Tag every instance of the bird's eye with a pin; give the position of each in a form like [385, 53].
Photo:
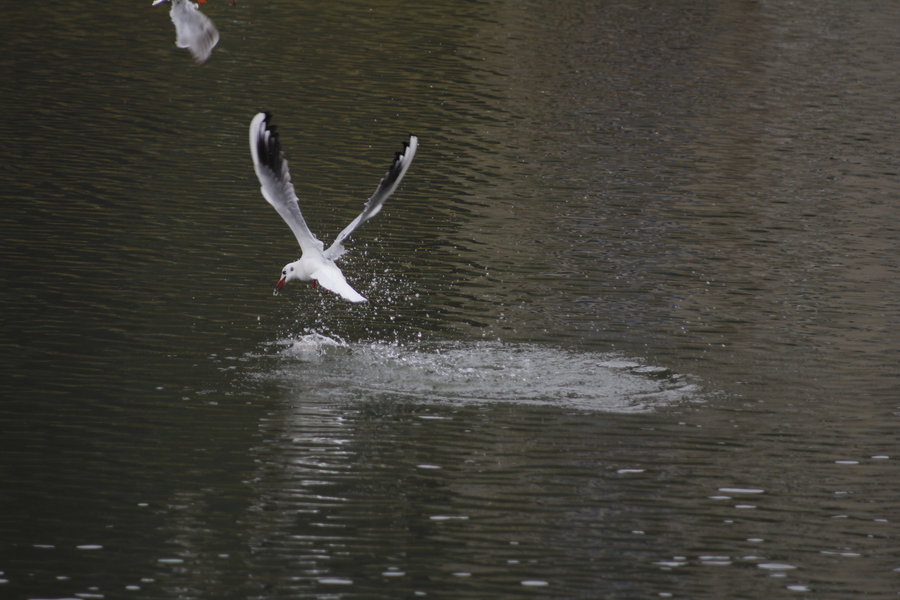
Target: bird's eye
[284, 272]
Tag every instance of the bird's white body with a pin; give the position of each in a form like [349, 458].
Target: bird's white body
[316, 263]
[320, 270]
[193, 30]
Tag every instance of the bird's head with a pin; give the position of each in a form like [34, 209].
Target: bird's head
[288, 274]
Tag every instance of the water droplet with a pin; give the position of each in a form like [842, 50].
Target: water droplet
[335, 581]
[739, 490]
[775, 566]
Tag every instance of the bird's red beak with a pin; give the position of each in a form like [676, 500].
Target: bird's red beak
[279, 285]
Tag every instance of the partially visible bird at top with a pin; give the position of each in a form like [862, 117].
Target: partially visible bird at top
[193, 30]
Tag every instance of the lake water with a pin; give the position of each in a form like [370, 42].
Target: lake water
[633, 319]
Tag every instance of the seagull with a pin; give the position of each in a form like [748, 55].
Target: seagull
[193, 29]
[316, 264]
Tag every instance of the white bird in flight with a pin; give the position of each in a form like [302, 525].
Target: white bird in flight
[316, 263]
[193, 29]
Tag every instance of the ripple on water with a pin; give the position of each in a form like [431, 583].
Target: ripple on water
[475, 372]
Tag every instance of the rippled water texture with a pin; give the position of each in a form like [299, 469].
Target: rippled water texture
[633, 319]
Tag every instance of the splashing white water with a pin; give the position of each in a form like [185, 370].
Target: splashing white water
[475, 372]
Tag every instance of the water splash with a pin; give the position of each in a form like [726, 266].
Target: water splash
[473, 372]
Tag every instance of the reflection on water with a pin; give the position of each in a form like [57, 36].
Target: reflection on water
[633, 317]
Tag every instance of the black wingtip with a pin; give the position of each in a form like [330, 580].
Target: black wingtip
[268, 146]
[398, 156]
[396, 170]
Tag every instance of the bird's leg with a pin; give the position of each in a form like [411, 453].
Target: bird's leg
[315, 283]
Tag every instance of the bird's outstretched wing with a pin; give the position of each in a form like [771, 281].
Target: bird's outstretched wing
[193, 29]
[275, 180]
[388, 184]
[329, 276]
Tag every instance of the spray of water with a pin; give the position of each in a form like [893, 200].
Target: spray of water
[472, 372]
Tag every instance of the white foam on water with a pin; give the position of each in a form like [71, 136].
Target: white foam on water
[476, 372]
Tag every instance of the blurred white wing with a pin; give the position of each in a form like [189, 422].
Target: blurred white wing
[275, 181]
[193, 29]
[385, 188]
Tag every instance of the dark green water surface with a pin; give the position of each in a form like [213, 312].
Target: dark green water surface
[633, 329]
